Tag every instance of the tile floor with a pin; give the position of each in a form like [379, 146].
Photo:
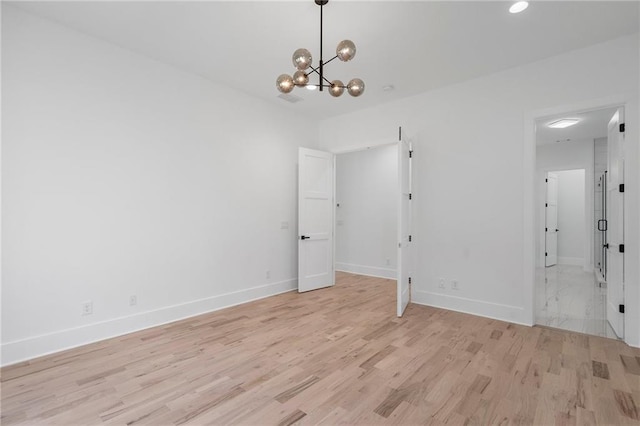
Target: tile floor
[571, 299]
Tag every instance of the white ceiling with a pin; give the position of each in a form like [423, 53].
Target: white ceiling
[592, 125]
[414, 45]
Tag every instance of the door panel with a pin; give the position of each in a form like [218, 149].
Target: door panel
[615, 217]
[551, 221]
[405, 264]
[315, 219]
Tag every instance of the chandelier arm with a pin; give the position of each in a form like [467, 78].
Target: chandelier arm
[330, 60]
[323, 77]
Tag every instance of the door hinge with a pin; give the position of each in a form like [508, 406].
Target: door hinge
[400, 133]
[409, 238]
[546, 180]
[606, 246]
[621, 248]
[546, 229]
[411, 154]
[409, 280]
[410, 196]
[546, 204]
[546, 254]
[621, 187]
[621, 308]
[622, 127]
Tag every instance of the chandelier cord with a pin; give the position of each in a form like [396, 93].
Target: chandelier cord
[321, 64]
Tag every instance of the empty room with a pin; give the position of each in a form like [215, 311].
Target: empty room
[320, 212]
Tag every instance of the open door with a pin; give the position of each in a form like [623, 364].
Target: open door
[615, 221]
[551, 221]
[315, 219]
[405, 264]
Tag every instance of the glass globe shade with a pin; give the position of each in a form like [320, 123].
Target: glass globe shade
[336, 88]
[355, 87]
[284, 83]
[300, 78]
[346, 50]
[301, 59]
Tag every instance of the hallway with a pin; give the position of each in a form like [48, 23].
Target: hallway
[569, 298]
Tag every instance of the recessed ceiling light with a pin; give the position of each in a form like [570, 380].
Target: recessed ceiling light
[519, 6]
[562, 123]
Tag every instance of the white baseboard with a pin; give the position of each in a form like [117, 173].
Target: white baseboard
[32, 347]
[577, 261]
[372, 271]
[508, 313]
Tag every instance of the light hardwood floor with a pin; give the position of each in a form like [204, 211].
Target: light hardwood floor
[332, 356]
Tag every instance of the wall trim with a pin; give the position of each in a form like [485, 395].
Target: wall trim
[46, 344]
[497, 311]
[371, 271]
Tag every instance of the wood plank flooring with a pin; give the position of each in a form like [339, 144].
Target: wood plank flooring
[332, 356]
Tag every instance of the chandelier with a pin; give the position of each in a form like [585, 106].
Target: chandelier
[302, 60]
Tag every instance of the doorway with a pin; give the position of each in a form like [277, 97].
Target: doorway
[573, 153]
[366, 212]
[374, 190]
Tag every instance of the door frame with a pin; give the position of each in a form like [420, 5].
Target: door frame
[632, 207]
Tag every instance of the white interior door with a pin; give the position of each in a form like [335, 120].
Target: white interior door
[315, 219]
[615, 231]
[551, 221]
[405, 264]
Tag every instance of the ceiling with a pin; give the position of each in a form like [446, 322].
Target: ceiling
[413, 45]
[592, 125]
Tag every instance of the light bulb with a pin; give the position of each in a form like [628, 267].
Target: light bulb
[355, 87]
[300, 78]
[337, 88]
[284, 83]
[301, 59]
[346, 50]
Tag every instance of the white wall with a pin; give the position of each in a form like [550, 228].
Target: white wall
[124, 176]
[366, 220]
[571, 217]
[473, 144]
[564, 156]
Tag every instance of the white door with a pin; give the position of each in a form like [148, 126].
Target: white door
[315, 219]
[405, 264]
[551, 221]
[615, 231]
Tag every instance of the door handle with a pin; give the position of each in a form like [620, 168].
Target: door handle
[304, 237]
[606, 246]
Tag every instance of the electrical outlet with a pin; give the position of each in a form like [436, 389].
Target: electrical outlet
[87, 308]
[455, 285]
[133, 300]
[441, 283]
[268, 274]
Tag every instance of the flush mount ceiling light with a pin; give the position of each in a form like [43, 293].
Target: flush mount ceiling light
[562, 123]
[302, 60]
[518, 7]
